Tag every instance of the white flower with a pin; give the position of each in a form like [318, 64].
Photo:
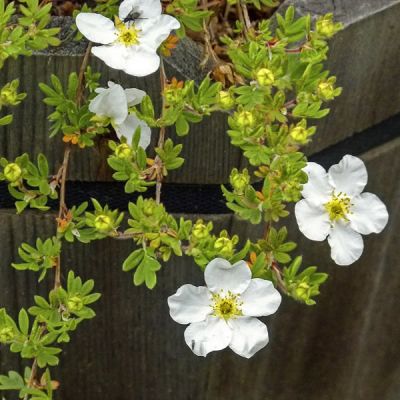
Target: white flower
[114, 103]
[222, 314]
[131, 43]
[335, 207]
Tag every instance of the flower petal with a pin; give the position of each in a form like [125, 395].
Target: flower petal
[317, 189]
[96, 28]
[346, 244]
[210, 335]
[313, 220]
[221, 275]
[190, 304]
[128, 129]
[154, 31]
[134, 96]
[260, 298]
[114, 55]
[140, 61]
[249, 336]
[146, 8]
[349, 176]
[111, 103]
[368, 214]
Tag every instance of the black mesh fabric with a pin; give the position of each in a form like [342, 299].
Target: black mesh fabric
[208, 199]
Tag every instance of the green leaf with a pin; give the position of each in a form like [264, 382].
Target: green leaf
[23, 322]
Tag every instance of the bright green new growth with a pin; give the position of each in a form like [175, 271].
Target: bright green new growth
[283, 87]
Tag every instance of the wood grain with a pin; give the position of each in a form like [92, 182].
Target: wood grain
[365, 58]
[345, 347]
[371, 93]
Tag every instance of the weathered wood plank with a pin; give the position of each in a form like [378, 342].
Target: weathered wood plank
[365, 58]
[371, 93]
[29, 131]
[346, 347]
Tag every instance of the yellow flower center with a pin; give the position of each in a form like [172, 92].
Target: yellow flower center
[128, 34]
[338, 207]
[226, 306]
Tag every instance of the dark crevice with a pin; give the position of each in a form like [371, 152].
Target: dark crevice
[208, 199]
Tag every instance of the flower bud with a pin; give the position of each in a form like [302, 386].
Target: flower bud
[326, 27]
[239, 181]
[226, 99]
[224, 246]
[12, 172]
[200, 230]
[326, 91]
[123, 151]
[8, 96]
[6, 334]
[265, 77]
[299, 134]
[75, 304]
[103, 223]
[302, 291]
[149, 208]
[245, 119]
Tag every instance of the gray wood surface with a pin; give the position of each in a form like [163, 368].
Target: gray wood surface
[365, 57]
[346, 347]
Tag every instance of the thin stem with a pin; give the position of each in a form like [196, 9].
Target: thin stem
[124, 236]
[278, 274]
[239, 10]
[32, 376]
[64, 169]
[161, 138]
[245, 15]
[205, 6]
[81, 79]
[61, 179]
[227, 11]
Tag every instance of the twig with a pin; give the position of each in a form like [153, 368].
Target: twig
[205, 6]
[32, 376]
[278, 274]
[85, 62]
[124, 236]
[245, 15]
[241, 16]
[227, 11]
[64, 167]
[61, 178]
[161, 138]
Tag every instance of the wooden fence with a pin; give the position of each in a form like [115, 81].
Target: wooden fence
[345, 348]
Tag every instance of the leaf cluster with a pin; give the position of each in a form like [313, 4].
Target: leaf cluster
[29, 183]
[70, 117]
[41, 258]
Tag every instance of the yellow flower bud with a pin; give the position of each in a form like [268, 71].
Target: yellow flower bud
[302, 292]
[265, 77]
[299, 134]
[102, 223]
[245, 119]
[8, 96]
[326, 91]
[200, 230]
[239, 181]
[149, 208]
[123, 151]
[75, 304]
[326, 27]
[6, 334]
[12, 172]
[225, 99]
[224, 246]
